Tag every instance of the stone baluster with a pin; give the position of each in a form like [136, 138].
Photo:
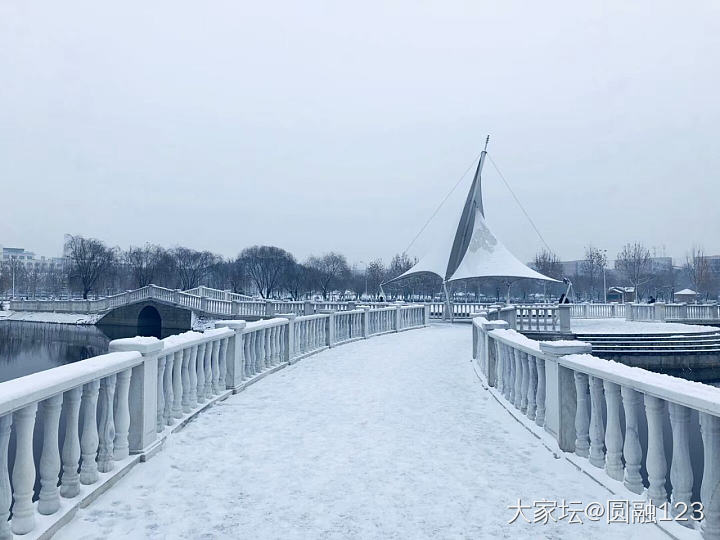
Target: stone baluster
[525, 380]
[208, 369]
[710, 488]
[517, 394]
[613, 432]
[215, 359]
[509, 361]
[70, 486]
[540, 395]
[185, 378]
[277, 332]
[89, 440]
[222, 365]
[681, 473]
[5, 491]
[656, 463]
[267, 348]
[632, 451]
[160, 394]
[597, 427]
[193, 377]
[247, 354]
[200, 364]
[49, 499]
[259, 339]
[582, 416]
[121, 447]
[106, 429]
[270, 345]
[168, 389]
[532, 386]
[177, 385]
[23, 475]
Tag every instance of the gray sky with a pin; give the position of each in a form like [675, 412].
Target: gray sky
[330, 125]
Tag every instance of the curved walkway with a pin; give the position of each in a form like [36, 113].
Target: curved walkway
[393, 437]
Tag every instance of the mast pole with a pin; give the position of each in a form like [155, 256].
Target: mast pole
[448, 305]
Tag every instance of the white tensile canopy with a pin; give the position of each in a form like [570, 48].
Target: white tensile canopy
[475, 252]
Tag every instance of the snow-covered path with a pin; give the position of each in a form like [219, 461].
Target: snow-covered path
[393, 437]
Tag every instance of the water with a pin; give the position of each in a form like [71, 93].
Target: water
[29, 347]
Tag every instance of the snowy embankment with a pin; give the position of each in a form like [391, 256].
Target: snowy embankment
[393, 437]
[50, 317]
[622, 326]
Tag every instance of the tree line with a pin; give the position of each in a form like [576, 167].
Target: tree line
[93, 268]
[634, 267]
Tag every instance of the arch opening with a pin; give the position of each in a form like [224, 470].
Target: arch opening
[149, 322]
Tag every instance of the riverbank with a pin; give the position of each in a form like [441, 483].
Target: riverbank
[50, 317]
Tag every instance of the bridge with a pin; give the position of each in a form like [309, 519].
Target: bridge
[173, 309]
[424, 433]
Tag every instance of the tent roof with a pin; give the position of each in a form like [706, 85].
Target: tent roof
[486, 256]
[686, 292]
[463, 247]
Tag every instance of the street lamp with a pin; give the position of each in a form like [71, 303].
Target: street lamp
[604, 278]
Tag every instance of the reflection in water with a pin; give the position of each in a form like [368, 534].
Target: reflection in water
[28, 347]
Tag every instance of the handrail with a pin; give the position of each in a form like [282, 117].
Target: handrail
[581, 401]
[116, 406]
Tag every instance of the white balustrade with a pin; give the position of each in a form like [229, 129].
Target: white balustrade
[591, 397]
[115, 405]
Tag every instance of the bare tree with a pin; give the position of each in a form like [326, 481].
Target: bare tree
[375, 276]
[144, 263]
[237, 275]
[697, 268]
[331, 271]
[192, 266]
[266, 266]
[634, 264]
[297, 280]
[400, 264]
[548, 264]
[89, 260]
[593, 267]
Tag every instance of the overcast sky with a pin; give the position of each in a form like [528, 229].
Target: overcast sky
[321, 126]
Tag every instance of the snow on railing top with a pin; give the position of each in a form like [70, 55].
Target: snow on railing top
[695, 395]
[18, 393]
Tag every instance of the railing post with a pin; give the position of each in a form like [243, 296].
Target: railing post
[289, 346]
[560, 399]
[330, 330]
[143, 391]
[203, 303]
[397, 319]
[235, 358]
[308, 308]
[365, 322]
[269, 308]
[564, 316]
[490, 359]
[235, 307]
[660, 311]
[426, 315]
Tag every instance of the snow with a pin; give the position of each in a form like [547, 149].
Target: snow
[517, 337]
[696, 395]
[622, 326]
[50, 317]
[567, 343]
[391, 437]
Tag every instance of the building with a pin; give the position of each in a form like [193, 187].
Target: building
[30, 260]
